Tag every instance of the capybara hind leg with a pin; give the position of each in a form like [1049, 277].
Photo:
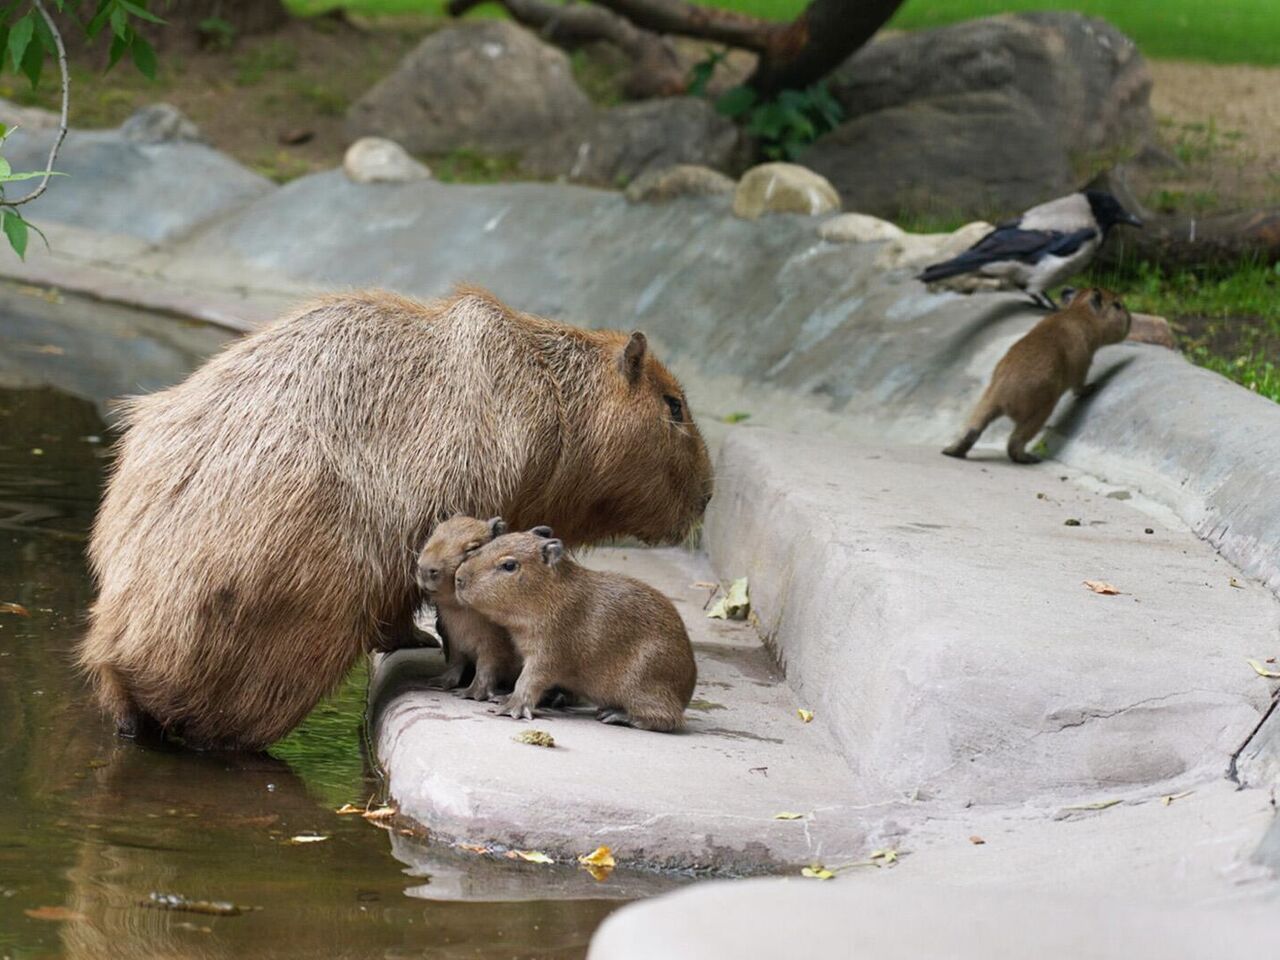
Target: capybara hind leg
[1023, 434]
[129, 719]
[978, 421]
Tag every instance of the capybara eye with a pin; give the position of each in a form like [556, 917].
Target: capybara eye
[433, 571]
[509, 565]
[675, 406]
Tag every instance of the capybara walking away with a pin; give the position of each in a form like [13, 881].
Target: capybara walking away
[260, 525]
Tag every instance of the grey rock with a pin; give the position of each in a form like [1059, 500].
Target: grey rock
[617, 145]
[959, 154]
[984, 117]
[28, 118]
[1083, 77]
[489, 86]
[160, 123]
[858, 228]
[681, 180]
[379, 160]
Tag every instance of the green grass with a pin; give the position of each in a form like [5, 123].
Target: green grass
[1230, 31]
[1227, 320]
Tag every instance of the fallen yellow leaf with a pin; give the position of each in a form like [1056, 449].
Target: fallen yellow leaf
[817, 872]
[805, 715]
[536, 738]
[54, 913]
[1175, 796]
[734, 605]
[599, 857]
[1263, 671]
[788, 815]
[883, 857]
[15, 608]
[348, 808]
[308, 838]
[1101, 586]
[380, 813]
[473, 847]
[1100, 805]
[976, 840]
[532, 856]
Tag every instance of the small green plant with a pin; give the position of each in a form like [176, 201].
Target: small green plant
[786, 124]
[702, 72]
[471, 166]
[216, 33]
[254, 64]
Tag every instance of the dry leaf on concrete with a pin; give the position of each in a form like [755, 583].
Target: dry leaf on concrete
[788, 815]
[472, 847]
[817, 872]
[1100, 805]
[805, 715]
[535, 738]
[308, 838]
[599, 857]
[1166, 800]
[1263, 671]
[882, 858]
[532, 856]
[734, 605]
[1101, 586]
[976, 840]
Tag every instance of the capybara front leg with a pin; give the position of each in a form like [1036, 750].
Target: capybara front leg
[533, 683]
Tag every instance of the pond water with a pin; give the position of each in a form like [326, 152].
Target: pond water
[92, 826]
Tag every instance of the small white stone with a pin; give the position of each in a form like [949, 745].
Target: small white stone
[858, 228]
[378, 160]
[783, 188]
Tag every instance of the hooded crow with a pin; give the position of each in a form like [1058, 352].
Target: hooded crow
[1043, 247]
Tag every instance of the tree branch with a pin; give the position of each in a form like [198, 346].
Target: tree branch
[688, 20]
[62, 119]
[656, 70]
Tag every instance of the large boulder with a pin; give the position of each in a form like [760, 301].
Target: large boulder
[613, 147]
[986, 116]
[490, 86]
[959, 154]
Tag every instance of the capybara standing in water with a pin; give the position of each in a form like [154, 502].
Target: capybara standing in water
[470, 639]
[259, 528]
[611, 638]
[1052, 358]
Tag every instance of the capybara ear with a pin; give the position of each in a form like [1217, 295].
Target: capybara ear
[497, 527]
[543, 532]
[632, 360]
[552, 551]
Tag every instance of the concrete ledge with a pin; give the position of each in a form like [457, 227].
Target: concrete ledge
[932, 613]
[703, 800]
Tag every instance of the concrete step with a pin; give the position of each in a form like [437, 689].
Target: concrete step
[704, 800]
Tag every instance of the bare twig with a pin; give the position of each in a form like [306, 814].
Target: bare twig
[62, 119]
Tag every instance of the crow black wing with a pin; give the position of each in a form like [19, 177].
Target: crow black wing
[1011, 243]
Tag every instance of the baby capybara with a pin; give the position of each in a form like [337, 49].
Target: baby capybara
[470, 639]
[259, 528]
[1051, 359]
[608, 637]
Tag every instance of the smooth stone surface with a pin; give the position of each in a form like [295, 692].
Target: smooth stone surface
[160, 123]
[156, 192]
[482, 85]
[379, 160]
[858, 228]
[614, 146]
[1148, 328]
[975, 666]
[768, 919]
[704, 799]
[783, 188]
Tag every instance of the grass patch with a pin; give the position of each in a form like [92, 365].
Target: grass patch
[472, 166]
[1237, 31]
[1227, 320]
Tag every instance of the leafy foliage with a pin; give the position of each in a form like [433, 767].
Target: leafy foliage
[27, 40]
[786, 124]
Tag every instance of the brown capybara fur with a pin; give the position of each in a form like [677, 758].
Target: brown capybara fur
[261, 522]
[1052, 358]
[610, 638]
[470, 639]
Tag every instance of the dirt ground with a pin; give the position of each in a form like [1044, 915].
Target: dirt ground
[1222, 124]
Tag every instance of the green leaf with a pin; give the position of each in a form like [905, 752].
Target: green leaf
[99, 19]
[20, 35]
[144, 57]
[28, 175]
[33, 63]
[118, 47]
[5, 169]
[736, 102]
[142, 13]
[119, 21]
[15, 228]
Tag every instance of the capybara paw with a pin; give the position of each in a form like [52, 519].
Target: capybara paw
[614, 715]
[1088, 390]
[517, 708]
[478, 691]
[1024, 457]
[955, 450]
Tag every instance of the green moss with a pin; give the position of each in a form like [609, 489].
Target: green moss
[473, 166]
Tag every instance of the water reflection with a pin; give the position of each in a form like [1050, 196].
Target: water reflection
[90, 825]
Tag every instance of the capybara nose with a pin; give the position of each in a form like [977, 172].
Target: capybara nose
[459, 582]
[705, 501]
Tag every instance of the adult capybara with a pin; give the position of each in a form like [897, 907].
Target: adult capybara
[259, 528]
